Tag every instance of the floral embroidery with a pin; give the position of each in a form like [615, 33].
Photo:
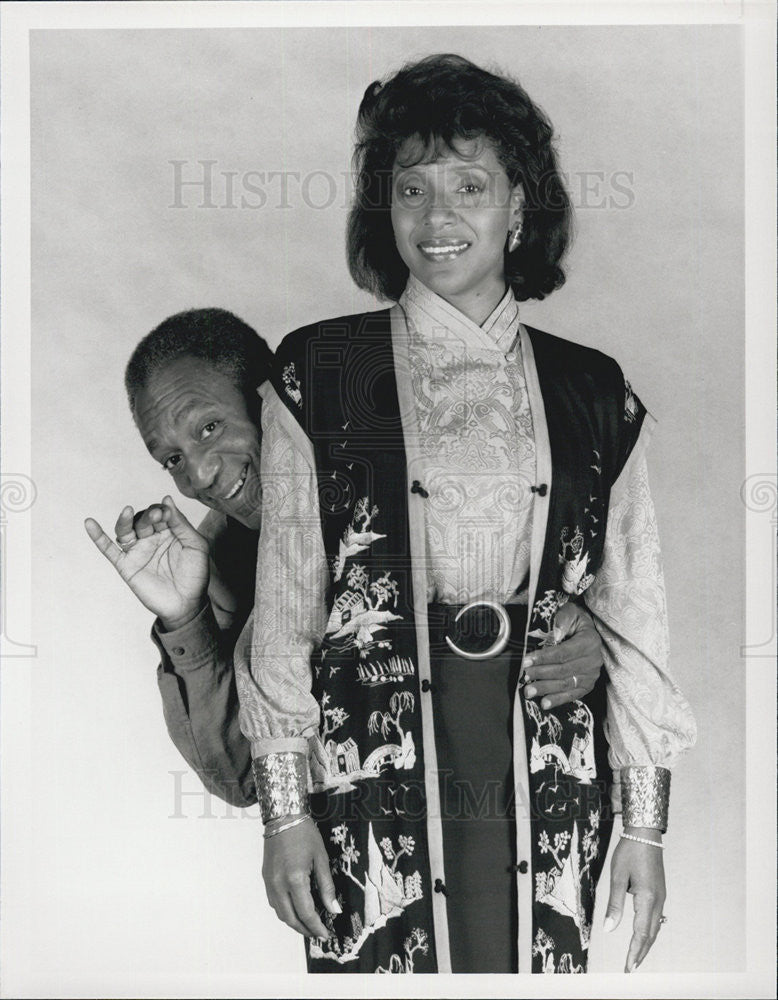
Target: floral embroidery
[292, 384]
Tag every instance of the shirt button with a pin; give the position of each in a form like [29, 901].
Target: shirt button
[178, 650]
[510, 356]
[522, 867]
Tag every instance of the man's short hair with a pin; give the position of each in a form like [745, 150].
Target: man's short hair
[214, 335]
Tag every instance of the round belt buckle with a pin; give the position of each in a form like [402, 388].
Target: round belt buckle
[499, 643]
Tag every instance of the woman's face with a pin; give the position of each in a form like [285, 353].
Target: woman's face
[451, 217]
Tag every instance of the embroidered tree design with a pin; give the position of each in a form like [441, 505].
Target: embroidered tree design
[590, 842]
[358, 579]
[333, 718]
[363, 513]
[348, 853]
[418, 941]
[412, 889]
[561, 841]
[384, 589]
[375, 594]
[543, 945]
[385, 721]
[407, 845]
[547, 607]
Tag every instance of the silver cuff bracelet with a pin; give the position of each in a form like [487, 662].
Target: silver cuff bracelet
[282, 784]
[645, 796]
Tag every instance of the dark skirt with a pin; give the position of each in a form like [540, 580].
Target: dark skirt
[473, 708]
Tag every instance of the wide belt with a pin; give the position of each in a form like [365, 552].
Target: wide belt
[480, 630]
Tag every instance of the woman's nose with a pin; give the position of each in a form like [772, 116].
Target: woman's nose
[203, 469]
[439, 212]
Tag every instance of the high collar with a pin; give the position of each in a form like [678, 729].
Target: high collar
[430, 315]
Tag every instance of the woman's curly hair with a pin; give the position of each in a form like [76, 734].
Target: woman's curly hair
[442, 99]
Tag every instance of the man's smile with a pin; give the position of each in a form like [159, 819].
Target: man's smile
[237, 486]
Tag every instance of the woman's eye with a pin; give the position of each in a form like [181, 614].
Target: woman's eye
[470, 188]
[172, 463]
[411, 191]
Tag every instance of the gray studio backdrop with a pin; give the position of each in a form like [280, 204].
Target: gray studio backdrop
[174, 169]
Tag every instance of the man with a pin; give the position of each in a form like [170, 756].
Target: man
[191, 385]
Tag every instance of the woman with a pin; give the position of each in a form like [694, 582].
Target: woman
[439, 481]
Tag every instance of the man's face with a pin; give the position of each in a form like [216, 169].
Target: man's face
[196, 424]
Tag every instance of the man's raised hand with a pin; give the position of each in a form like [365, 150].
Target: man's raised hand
[161, 558]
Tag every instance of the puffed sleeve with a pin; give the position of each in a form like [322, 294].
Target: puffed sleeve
[277, 708]
[649, 722]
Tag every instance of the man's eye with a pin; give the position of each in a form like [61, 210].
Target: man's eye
[172, 463]
[208, 429]
[411, 191]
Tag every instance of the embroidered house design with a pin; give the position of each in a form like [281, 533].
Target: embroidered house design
[579, 762]
[336, 765]
[386, 893]
[360, 613]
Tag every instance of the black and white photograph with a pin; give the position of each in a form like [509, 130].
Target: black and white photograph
[388, 499]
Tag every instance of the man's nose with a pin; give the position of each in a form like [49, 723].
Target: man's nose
[204, 467]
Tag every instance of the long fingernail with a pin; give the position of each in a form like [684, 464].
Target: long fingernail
[609, 925]
[527, 662]
[335, 907]
[530, 692]
[545, 703]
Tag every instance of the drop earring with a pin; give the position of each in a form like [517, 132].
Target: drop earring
[514, 236]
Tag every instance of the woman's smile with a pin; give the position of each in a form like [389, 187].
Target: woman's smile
[443, 250]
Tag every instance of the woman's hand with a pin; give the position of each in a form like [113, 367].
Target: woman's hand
[289, 861]
[638, 869]
[161, 558]
[569, 670]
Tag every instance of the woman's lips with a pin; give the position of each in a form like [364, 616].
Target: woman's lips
[443, 250]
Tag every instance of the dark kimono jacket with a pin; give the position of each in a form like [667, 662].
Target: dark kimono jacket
[376, 795]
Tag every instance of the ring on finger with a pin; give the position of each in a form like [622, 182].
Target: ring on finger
[662, 919]
[575, 681]
[126, 546]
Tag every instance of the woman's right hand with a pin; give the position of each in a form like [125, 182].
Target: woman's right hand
[290, 859]
[161, 558]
